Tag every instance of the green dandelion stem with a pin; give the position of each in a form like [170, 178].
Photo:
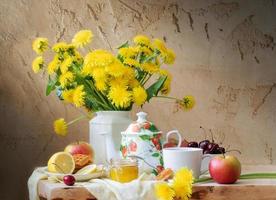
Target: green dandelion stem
[243, 177]
[167, 97]
[77, 119]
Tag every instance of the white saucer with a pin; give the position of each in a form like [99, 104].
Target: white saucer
[78, 177]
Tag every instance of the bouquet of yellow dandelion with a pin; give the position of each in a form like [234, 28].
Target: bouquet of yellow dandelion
[103, 81]
[179, 189]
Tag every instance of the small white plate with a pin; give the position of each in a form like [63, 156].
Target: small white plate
[78, 177]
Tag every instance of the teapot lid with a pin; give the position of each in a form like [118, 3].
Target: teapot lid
[142, 126]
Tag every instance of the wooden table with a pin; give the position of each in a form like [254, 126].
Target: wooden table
[242, 190]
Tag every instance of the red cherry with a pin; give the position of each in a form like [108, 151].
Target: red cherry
[133, 146]
[69, 180]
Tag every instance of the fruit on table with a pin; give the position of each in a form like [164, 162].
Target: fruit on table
[81, 161]
[89, 169]
[61, 162]
[80, 148]
[164, 175]
[208, 147]
[193, 144]
[168, 145]
[184, 143]
[203, 144]
[173, 143]
[69, 180]
[225, 169]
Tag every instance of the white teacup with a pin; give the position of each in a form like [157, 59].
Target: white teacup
[177, 157]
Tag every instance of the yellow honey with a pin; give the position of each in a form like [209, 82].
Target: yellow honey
[124, 170]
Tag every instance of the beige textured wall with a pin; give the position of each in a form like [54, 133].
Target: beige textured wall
[225, 58]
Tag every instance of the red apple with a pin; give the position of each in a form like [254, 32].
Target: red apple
[225, 169]
[80, 148]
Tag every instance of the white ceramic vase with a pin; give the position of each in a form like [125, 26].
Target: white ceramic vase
[105, 134]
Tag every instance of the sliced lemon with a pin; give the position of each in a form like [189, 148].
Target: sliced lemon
[61, 162]
[89, 169]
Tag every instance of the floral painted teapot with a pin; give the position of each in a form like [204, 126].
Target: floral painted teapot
[142, 140]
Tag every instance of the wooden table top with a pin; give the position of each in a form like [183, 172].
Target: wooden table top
[256, 189]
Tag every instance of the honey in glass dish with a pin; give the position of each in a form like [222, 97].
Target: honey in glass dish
[123, 170]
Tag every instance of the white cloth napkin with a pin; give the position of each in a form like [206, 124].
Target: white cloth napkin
[33, 181]
[103, 189]
[139, 189]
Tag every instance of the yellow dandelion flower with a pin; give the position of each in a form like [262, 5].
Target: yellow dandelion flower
[101, 84]
[60, 127]
[129, 73]
[187, 103]
[128, 52]
[145, 50]
[119, 96]
[40, 45]
[66, 78]
[150, 68]
[60, 47]
[133, 83]
[163, 191]
[100, 76]
[160, 46]
[68, 95]
[87, 70]
[66, 64]
[78, 56]
[166, 88]
[78, 96]
[141, 40]
[182, 183]
[98, 58]
[99, 73]
[139, 95]
[53, 65]
[115, 69]
[131, 62]
[169, 57]
[118, 82]
[37, 64]
[82, 38]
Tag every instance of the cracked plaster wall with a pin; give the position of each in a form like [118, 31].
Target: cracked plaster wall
[225, 58]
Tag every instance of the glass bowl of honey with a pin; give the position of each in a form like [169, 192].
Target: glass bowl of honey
[123, 170]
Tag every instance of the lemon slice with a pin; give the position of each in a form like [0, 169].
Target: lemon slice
[61, 162]
[89, 169]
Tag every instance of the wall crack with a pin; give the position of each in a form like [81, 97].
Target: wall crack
[264, 99]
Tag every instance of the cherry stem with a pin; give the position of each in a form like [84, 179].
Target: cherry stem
[204, 132]
[212, 135]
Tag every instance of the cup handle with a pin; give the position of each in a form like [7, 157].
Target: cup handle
[178, 135]
[203, 171]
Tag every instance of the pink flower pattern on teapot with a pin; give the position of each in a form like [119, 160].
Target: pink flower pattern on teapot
[143, 140]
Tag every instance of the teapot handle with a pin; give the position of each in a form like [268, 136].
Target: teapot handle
[178, 135]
